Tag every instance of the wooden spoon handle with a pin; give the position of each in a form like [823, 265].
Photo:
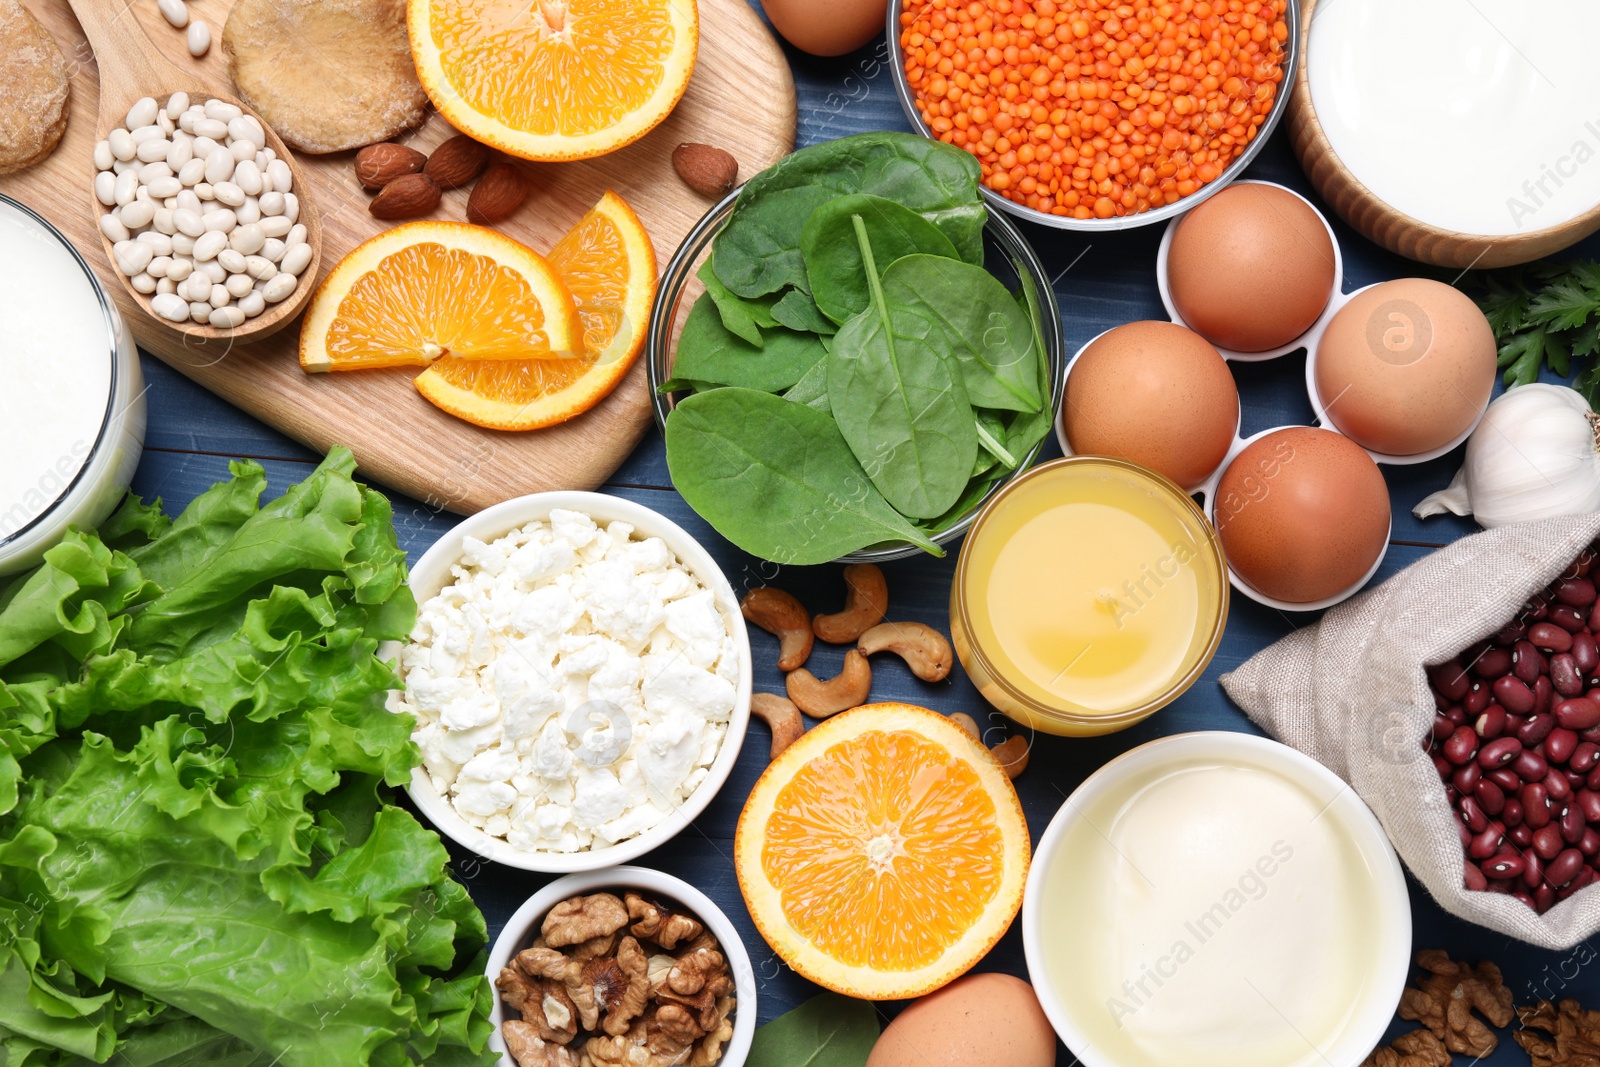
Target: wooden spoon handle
[130, 66]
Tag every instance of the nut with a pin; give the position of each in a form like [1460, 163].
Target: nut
[785, 618]
[820, 699]
[405, 198]
[782, 715]
[865, 606]
[966, 722]
[456, 162]
[924, 649]
[498, 194]
[708, 171]
[1012, 754]
[379, 164]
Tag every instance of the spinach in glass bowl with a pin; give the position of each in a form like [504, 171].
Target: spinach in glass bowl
[873, 356]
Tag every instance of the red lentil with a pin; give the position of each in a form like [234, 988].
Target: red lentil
[1094, 108]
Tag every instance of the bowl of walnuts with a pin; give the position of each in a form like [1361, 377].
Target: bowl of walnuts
[621, 966]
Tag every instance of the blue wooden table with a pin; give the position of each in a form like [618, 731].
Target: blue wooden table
[1102, 281]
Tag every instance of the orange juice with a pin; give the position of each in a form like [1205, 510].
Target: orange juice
[1090, 592]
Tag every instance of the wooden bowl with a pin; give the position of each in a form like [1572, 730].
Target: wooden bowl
[130, 69]
[1395, 230]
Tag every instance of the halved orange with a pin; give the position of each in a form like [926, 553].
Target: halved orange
[608, 264]
[883, 853]
[554, 79]
[428, 289]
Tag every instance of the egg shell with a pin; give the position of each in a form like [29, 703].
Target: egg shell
[826, 27]
[1252, 268]
[982, 1020]
[1303, 514]
[1406, 366]
[1155, 394]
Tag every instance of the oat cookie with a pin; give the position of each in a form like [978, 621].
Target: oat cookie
[35, 83]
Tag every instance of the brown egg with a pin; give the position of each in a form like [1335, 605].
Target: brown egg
[1251, 268]
[1303, 514]
[1406, 366]
[1157, 395]
[826, 27]
[982, 1020]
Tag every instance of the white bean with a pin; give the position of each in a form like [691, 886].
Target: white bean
[252, 304]
[297, 235]
[170, 203]
[177, 104]
[296, 260]
[242, 150]
[151, 171]
[259, 267]
[161, 242]
[105, 188]
[174, 12]
[180, 268]
[272, 204]
[278, 288]
[180, 152]
[135, 258]
[124, 188]
[158, 266]
[240, 129]
[122, 166]
[247, 240]
[220, 297]
[238, 285]
[137, 215]
[188, 223]
[189, 200]
[145, 133]
[213, 271]
[282, 176]
[291, 207]
[168, 126]
[142, 113]
[219, 165]
[215, 129]
[143, 283]
[221, 110]
[220, 221]
[228, 193]
[196, 288]
[247, 176]
[200, 312]
[227, 318]
[249, 211]
[204, 146]
[166, 286]
[275, 225]
[152, 150]
[187, 120]
[103, 159]
[183, 243]
[193, 172]
[231, 261]
[121, 144]
[273, 251]
[162, 188]
[205, 192]
[163, 221]
[170, 307]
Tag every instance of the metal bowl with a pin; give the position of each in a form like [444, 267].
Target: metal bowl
[1123, 222]
[1004, 250]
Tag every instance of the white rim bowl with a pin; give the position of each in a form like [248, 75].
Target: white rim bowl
[1390, 960]
[432, 573]
[518, 933]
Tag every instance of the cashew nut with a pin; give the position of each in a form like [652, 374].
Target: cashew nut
[781, 714]
[966, 722]
[820, 699]
[864, 606]
[1012, 754]
[924, 649]
[785, 618]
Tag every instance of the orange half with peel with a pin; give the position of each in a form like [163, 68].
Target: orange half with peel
[608, 265]
[883, 853]
[554, 79]
[424, 290]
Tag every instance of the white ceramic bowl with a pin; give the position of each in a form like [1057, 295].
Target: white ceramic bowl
[1388, 933]
[521, 929]
[432, 573]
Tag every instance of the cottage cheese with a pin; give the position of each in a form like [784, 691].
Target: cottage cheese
[572, 686]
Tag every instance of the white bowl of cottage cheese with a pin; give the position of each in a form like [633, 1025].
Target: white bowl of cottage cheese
[580, 677]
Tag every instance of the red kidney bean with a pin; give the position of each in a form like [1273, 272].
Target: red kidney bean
[1578, 713]
[1503, 865]
[1547, 842]
[1504, 778]
[1535, 806]
[1589, 843]
[1594, 617]
[1474, 877]
[1511, 814]
[1466, 835]
[1532, 870]
[1476, 700]
[1523, 898]
[1492, 664]
[1529, 765]
[1472, 815]
[1564, 675]
[1543, 695]
[1439, 702]
[1574, 779]
[1443, 766]
[1573, 824]
[1520, 836]
[1557, 788]
[1442, 727]
[1513, 695]
[1585, 879]
[1592, 781]
[1549, 637]
[1500, 752]
[1544, 898]
[1536, 729]
[1576, 592]
[1535, 609]
[1466, 778]
[1560, 745]
[1511, 632]
[1585, 652]
[1492, 799]
[1568, 618]
[1451, 795]
[1584, 563]
[1450, 679]
[1587, 800]
[1585, 757]
[1527, 661]
[1504, 886]
[1492, 723]
[1564, 868]
[1456, 714]
[1488, 842]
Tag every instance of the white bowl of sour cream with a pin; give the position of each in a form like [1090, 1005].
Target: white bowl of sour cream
[71, 393]
[1216, 899]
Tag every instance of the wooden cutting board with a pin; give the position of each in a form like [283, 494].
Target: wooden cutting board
[741, 98]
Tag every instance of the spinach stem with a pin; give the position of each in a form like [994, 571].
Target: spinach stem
[996, 449]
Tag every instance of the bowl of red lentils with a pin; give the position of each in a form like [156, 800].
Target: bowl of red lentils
[1095, 114]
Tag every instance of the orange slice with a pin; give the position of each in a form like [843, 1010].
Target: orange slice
[883, 853]
[554, 79]
[608, 264]
[426, 289]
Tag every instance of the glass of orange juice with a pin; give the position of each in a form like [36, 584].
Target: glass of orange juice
[1090, 593]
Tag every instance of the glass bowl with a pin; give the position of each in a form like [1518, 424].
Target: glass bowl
[908, 104]
[1005, 252]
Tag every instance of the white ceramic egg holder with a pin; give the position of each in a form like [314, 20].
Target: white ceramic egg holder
[1311, 341]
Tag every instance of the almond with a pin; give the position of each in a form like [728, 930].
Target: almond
[379, 164]
[405, 198]
[456, 162]
[708, 171]
[498, 194]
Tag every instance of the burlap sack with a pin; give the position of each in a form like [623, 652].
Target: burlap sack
[1350, 692]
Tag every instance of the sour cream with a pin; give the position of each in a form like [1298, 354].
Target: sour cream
[1475, 116]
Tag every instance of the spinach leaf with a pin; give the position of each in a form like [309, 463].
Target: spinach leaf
[685, 385]
[744, 318]
[826, 1031]
[812, 388]
[799, 312]
[777, 479]
[984, 328]
[709, 352]
[970, 498]
[900, 403]
[833, 258]
[758, 251]
[1027, 429]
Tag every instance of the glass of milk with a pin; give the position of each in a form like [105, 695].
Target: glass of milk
[72, 411]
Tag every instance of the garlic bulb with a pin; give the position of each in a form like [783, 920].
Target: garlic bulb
[1535, 455]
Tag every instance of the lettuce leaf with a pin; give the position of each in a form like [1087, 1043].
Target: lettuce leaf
[198, 860]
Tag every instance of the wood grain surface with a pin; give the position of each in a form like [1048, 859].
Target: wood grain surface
[741, 98]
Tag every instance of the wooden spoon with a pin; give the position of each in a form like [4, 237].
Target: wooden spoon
[131, 68]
